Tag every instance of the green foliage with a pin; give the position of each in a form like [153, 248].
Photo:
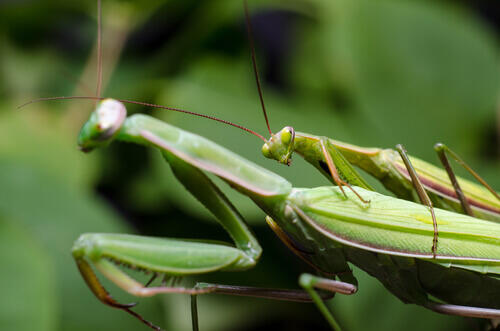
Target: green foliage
[41, 217]
[370, 73]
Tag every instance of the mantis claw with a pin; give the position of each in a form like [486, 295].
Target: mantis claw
[99, 291]
[116, 304]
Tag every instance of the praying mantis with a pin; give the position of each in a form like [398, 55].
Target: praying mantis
[396, 170]
[327, 228]
[334, 159]
[109, 119]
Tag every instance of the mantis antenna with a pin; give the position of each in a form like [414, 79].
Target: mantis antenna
[99, 82]
[148, 105]
[254, 61]
[99, 49]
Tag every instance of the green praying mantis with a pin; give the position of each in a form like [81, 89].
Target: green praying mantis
[399, 172]
[387, 237]
[395, 169]
[327, 226]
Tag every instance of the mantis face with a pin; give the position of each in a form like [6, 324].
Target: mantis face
[103, 125]
[280, 146]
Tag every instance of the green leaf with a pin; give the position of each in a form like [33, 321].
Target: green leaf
[29, 281]
[55, 214]
[37, 137]
[420, 71]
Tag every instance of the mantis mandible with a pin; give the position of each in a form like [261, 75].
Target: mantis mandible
[387, 238]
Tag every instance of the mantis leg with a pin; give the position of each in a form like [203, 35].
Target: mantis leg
[191, 183]
[130, 285]
[441, 151]
[422, 194]
[465, 311]
[172, 257]
[255, 292]
[310, 283]
[330, 153]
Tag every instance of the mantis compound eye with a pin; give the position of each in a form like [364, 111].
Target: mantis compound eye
[110, 117]
[287, 135]
[266, 151]
[103, 125]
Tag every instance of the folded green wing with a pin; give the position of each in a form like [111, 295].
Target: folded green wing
[398, 227]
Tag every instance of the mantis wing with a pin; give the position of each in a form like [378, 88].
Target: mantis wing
[398, 227]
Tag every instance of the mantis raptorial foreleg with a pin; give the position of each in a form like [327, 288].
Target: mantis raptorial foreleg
[352, 175]
[174, 256]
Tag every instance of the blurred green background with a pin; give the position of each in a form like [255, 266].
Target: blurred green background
[373, 73]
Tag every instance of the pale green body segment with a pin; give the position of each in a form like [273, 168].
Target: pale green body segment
[399, 227]
[184, 256]
[391, 239]
[388, 238]
[206, 155]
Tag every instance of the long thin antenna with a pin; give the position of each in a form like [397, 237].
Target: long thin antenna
[149, 105]
[99, 82]
[99, 49]
[257, 79]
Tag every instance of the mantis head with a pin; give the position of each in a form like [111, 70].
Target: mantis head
[280, 146]
[103, 125]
